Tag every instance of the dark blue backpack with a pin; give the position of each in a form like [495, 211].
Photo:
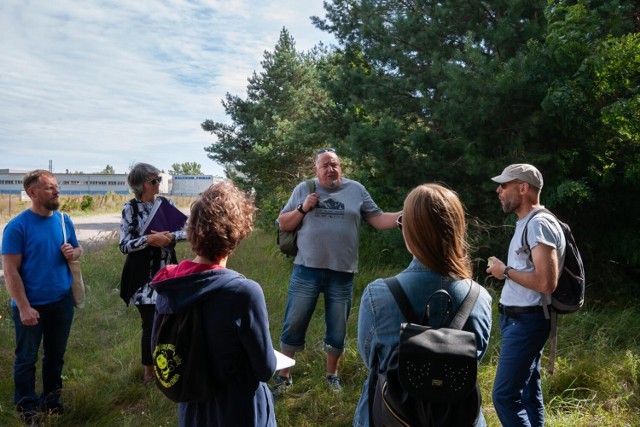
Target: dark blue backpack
[569, 294]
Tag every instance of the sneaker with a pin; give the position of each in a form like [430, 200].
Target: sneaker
[281, 384]
[334, 382]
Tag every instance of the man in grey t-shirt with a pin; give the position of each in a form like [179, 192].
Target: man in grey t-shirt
[327, 258]
[530, 279]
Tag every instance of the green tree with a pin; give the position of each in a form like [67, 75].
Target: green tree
[454, 91]
[186, 168]
[274, 131]
[108, 170]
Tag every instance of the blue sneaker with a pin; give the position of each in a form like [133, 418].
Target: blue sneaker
[280, 385]
[334, 382]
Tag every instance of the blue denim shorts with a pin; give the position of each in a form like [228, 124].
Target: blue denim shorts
[305, 286]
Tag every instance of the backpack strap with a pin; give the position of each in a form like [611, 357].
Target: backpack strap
[465, 308]
[134, 214]
[546, 303]
[311, 184]
[401, 300]
[407, 311]
[524, 239]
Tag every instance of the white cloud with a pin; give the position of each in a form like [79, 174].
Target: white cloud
[91, 83]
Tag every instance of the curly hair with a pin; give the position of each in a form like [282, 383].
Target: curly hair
[138, 175]
[435, 230]
[220, 220]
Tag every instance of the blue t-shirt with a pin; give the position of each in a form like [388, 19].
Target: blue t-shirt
[44, 270]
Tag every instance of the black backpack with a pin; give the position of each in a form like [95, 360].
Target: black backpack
[431, 376]
[182, 369]
[568, 296]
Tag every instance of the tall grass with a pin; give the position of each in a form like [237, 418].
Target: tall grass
[595, 384]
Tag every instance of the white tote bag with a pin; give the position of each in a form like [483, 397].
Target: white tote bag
[77, 284]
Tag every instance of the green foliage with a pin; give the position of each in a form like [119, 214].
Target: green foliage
[86, 203]
[186, 168]
[108, 170]
[453, 92]
[270, 144]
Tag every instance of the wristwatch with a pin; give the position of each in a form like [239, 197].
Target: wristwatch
[299, 208]
[505, 273]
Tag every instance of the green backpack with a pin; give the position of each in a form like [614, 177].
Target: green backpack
[286, 240]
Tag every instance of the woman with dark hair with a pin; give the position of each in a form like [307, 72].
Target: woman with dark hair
[435, 233]
[235, 322]
[146, 253]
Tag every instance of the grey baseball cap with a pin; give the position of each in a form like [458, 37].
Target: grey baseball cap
[523, 172]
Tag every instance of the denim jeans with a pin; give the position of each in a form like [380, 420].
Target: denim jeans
[517, 389]
[53, 328]
[305, 287]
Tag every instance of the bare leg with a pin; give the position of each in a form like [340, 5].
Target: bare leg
[332, 364]
[149, 375]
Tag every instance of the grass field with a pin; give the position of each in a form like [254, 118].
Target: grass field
[11, 204]
[596, 381]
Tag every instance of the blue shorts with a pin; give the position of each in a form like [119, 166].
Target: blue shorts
[305, 287]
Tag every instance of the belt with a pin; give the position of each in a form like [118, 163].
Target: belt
[515, 310]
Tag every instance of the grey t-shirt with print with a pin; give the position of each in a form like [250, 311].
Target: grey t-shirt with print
[330, 232]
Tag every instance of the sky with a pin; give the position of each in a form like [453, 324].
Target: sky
[86, 84]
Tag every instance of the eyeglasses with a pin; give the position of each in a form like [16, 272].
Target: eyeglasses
[50, 189]
[155, 181]
[399, 222]
[326, 150]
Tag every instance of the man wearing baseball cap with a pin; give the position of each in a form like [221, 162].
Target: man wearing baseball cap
[530, 278]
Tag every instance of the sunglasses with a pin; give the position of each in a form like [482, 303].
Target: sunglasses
[504, 185]
[155, 181]
[327, 150]
[399, 222]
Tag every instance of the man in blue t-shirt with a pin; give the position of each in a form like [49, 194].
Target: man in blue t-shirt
[327, 258]
[35, 261]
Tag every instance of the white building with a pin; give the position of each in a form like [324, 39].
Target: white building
[192, 185]
[87, 183]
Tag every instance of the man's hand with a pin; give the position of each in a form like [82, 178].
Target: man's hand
[496, 268]
[310, 202]
[67, 251]
[29, 316]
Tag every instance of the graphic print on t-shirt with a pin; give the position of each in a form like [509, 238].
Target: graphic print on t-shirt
[330, 209]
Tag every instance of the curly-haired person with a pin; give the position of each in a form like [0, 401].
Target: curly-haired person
[236, 322]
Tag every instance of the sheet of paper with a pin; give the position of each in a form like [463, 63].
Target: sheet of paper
[283, 361]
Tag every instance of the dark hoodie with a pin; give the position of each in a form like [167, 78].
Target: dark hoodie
[238, 341]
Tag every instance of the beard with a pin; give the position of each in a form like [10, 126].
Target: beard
[510, 205]
[52, 205]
